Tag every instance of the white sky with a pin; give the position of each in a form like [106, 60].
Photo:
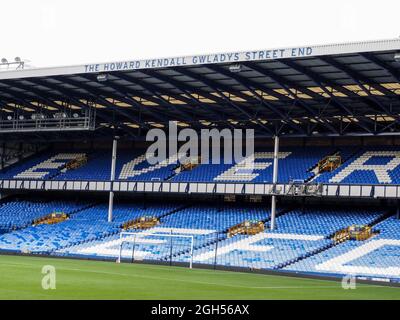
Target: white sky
[65, 32]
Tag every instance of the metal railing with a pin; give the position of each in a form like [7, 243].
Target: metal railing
[48, 124]
[216, 188]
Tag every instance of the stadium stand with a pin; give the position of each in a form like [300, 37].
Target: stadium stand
[52, 165]
[373, 165]
[295, 163]
[299, 234]
[87, 223]
[302, 235]
[332, 112]
[22, 213]
[46, 166]
[376, 257]
[378, 165]
[303, 241]
[204, 222]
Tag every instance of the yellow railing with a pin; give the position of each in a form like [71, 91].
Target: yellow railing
[145, 222]
[246, 227]
[355, 232]
[329, 163]
[53, 218]
[77, 162]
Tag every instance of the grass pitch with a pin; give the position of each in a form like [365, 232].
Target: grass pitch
[21, 278]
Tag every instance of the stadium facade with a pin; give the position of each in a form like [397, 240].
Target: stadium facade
[318, 196]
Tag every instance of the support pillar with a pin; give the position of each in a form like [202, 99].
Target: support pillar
[3, 151]
[112, 178]
[274, 181]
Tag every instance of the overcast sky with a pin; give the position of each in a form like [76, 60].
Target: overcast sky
[65, 32]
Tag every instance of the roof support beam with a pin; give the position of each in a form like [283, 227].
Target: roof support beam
[284, 83]
[253, 89]
[22, 101]
[155, 91]
[321, 82]
[38, 93]
[215, 88]
[103, 101]
[382, 64]
[76, 101]
[127, 99]
[356, 76]
[358, 79]
[189, 100]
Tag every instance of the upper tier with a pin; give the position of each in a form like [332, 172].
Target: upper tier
[361, 165]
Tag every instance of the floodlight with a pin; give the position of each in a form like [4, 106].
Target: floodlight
[102, 77]
[235, 67]
[17, 59]
[21, 117]
[4, 60]
[397, 56]
[9, 117]
[59, 115]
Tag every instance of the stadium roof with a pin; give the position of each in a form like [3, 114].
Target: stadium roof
[335, 90]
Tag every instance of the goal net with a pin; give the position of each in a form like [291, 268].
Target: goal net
[167, 247]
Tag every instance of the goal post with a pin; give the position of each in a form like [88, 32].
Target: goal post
[138, 238]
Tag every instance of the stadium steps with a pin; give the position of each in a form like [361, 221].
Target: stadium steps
[350, 156]
[51, 177]
[316, 165]
[174, 173]
[380, 219]
[305, 256]
[328, 246]
[175, 210]
[91, 205]
[312, 168]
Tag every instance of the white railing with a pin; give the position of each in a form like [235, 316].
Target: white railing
[216, 188]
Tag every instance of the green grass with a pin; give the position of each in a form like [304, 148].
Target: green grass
[21, 278]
